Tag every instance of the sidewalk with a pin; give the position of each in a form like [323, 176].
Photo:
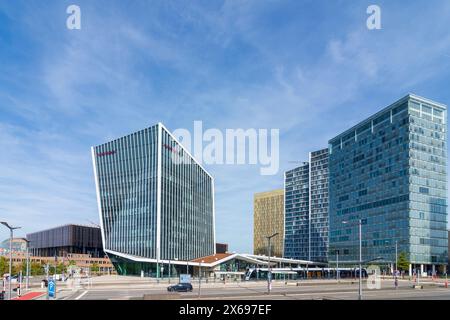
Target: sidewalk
[30, 296]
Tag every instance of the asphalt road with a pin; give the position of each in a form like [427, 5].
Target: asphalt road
[246, 291]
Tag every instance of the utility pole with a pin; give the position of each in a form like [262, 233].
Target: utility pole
[337, 265]
[11, 232]
[396, 257]
[360, 257]
[269, 268]
[27, 281]
[360, 260]
[200, 278]
[47, 270]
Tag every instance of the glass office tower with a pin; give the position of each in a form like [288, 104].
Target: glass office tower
[306, 209]
[389, 171]
[296, 213]
[156, 202]
[318, 205]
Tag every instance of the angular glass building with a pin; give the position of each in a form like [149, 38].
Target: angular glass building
[318, 205]
[389, 171]
[156, 202]
[306, 209]
[296, 213]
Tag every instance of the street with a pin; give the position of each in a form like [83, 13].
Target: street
[306, 290]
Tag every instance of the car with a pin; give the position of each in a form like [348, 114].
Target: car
[180, 287]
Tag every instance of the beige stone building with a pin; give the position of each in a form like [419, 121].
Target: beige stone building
[268, 218]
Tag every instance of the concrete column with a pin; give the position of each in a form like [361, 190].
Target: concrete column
[433, 269]
[421, 269]
[410, 270]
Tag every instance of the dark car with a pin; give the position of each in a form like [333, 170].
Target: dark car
[181, 287]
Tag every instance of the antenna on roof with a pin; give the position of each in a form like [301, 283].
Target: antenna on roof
[93, 223]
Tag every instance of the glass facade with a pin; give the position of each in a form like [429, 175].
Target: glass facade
[67, 239]
[390, 172]
[153, 207]
[318, 206]
[306, 209]
[296, 220]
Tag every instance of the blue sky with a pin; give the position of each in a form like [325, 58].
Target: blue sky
[308, 68]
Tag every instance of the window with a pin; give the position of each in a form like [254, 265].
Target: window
[426, 109]
[424, 190]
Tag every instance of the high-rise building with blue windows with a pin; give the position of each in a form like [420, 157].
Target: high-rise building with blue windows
[296, 213]
[318, 205]
[306, 209]
[156, 202]
[389, 172]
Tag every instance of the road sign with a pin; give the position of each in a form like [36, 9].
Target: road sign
[185, 278]
[51, 288]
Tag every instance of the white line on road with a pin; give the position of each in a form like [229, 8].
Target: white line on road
[81, 295]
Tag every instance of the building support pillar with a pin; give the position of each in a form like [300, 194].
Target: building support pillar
[410, 270]
[421, 269]
[433, 269]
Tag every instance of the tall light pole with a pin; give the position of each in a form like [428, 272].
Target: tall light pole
[337, 265]
[200, 277]
[269, 268]
[360, 258]
[176, 259]
[27, 281]
[396, 258]
[11, 232]
[169, 271]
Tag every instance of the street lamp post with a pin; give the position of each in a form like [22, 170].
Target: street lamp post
[269, 268]
[360, 258]
[11, 232]
[27, 281]
[176, 259]
[396, 266]
[337, 265]
[200, 277]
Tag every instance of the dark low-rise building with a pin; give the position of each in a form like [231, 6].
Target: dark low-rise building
[67, 239]
[221, 248]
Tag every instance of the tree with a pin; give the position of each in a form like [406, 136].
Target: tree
[60, 268]
[4, 266]
[95, 267]
[402, 262]
[36, 269]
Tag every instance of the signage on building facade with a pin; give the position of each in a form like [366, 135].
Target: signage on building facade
[107, 153]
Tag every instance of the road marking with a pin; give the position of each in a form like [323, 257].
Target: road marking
[81, 295]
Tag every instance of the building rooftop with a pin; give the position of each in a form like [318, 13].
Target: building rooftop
[65, 225]
[392, 105]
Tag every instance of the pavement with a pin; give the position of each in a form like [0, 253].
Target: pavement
[129, 288]
[30, 296]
